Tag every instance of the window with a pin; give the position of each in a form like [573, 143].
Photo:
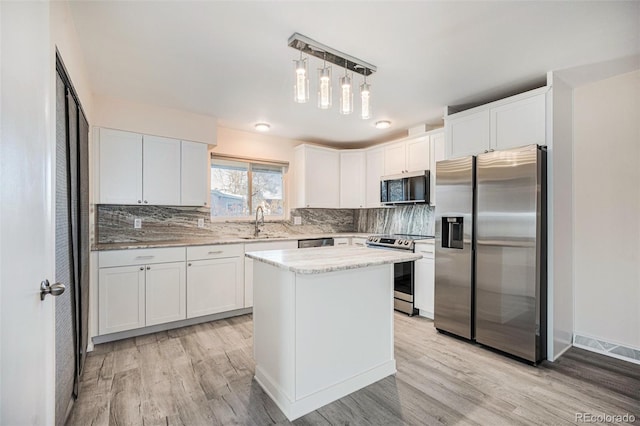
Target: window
[239, 186]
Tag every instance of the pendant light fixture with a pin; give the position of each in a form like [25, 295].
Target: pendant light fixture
[365, 100]
[324, 85]
[301, 86]
[330, 56]
[346, 98]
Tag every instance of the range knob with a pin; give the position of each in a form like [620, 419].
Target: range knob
[406, 243]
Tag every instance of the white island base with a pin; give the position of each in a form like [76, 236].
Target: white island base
[321, 336]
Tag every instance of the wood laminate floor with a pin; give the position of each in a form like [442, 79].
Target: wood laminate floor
[203, 375]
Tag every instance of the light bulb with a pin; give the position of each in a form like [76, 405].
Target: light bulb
[346, 100]
[301, 88]
[365, 97]
[324, 88]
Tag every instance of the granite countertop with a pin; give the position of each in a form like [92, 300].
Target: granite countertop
[223, 239]
[319, 260]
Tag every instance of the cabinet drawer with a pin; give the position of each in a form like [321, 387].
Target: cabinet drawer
[140, 256]
[425, 249]
[215, 252]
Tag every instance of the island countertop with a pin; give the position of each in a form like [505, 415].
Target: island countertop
[320, 260]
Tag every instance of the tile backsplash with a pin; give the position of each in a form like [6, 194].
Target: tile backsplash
[416, 219]
[115, 223]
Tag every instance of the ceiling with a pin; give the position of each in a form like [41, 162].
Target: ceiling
[230, 59]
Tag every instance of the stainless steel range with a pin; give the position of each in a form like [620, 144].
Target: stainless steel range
[403, 273]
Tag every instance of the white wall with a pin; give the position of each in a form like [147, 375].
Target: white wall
[122, 114]
[65, 39]
[607, 209]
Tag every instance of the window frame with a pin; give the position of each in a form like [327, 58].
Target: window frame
[251, 162]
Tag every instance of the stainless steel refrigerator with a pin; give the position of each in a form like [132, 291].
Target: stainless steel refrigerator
[491, 252]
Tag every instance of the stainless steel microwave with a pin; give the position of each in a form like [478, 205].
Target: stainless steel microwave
[406, 188]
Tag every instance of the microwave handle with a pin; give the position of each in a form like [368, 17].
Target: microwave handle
[407, 185]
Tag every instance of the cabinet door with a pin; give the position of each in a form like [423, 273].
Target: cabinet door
[195, 174]
[395, 159]
[374, 171]
[322, 177]
[161, 171]
[215, 285]
[352, 176]
[424, 281]
[418, 154]
[165, 293]
[437, 154]
[121, 300]
[468, 135]
[120, 163]
[519, 123]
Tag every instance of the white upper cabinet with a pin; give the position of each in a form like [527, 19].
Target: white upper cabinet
[374, 171]
[150, 170]
[508, 123]
[407, 156]
[352, 179]
[519, 123]
[195, 173]
[418, 154]
[436, 140]
[120, 163]
[468, 135]
[161, 171]
[317, 177]
[395, 159]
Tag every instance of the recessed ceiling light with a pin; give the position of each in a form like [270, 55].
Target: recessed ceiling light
[262, 127]
[383, 124]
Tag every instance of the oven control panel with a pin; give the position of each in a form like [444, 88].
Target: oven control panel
[390, 242]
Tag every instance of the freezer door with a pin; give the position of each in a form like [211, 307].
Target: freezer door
[507, 266]
[453, 311]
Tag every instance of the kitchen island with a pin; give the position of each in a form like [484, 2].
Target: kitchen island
[323, 322]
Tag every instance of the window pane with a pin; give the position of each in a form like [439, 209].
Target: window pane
[267, 189]
[229, 188]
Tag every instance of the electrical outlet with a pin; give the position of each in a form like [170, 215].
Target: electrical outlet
[297, 220]
[200, 223]
[137, 223]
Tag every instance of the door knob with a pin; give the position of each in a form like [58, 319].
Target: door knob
[55, 290]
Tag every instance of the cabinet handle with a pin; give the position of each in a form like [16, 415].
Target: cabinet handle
[188, 264]
[148, 267]
[139, 201]
[145, 257]
[205, 203]
[216, 252]
[142, 268]
[491, 150]
[146, 202]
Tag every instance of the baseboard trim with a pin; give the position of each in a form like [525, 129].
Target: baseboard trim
[614, 350]
[163, 327]
[298, 408]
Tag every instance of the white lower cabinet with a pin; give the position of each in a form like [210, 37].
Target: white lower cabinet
[215, 279]
[121, 295]
[165, 293]
[138, 288]
[358, 241]
[424, 279]
[341, 241]
[213, 286]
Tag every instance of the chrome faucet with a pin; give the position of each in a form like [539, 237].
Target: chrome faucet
[257, 230]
